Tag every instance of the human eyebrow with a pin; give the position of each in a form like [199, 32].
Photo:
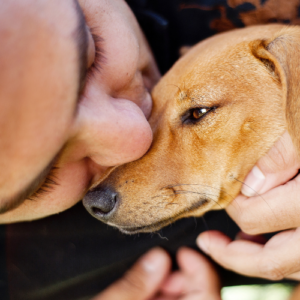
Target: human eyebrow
[19, 198]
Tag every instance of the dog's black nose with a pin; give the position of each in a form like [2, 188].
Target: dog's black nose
[100, 202]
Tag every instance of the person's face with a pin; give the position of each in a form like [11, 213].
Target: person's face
[73, 100]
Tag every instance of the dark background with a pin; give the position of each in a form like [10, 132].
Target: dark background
[72, 255]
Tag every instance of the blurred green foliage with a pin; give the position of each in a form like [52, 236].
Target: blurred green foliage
[257, 292]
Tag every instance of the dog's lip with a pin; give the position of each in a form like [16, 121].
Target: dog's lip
[158, 225]
[146, 228]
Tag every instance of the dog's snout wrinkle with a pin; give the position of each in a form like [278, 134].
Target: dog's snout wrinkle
[101, 202]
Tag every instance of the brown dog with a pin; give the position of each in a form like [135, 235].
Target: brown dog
[216, 112]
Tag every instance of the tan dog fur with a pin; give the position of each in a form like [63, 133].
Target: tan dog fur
[249, 78]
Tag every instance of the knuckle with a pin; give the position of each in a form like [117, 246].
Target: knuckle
[244, 218]
[276, 159]
[250, 230]
[270, 269]
[133, 281]
[247, 225]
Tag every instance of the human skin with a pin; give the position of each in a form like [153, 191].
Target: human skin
[273, 207]
[277, 259]
[42, 117]
[149, 279]
[196, 279]
[40, 114]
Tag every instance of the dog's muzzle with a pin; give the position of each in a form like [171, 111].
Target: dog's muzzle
[101, 202]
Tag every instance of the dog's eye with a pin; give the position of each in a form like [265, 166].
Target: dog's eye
[195, 114]
[199, 112]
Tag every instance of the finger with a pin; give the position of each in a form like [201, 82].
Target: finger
[196, 278]
[277, 259]
[193, 296]
[201, 279]
[197, 267]
[294, 276]
[200, 296]
[142, 281]
[296, 293]
[275, 210]
[259, 239]
[164, 298]
[197, 294]
[174, 285]
[278, 166]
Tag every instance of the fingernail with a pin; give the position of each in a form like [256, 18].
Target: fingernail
[153, 260]
[253, 182]
[202, 244]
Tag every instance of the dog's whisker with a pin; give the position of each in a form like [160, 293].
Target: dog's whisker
[216, 202]
[178, 192]
[233, 204]
[162, 237]
[164, 206]
[158, 196]
[257, 194]
[203, 194]
[168, 203]
[204, 222]
[176, 86]
[197, 184]
[279, 140]
[278, 151]
[180, 184]
[156, 206]
[209, 199]
[196, 224]
[194, 192]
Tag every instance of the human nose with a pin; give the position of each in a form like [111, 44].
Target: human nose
[111, 131]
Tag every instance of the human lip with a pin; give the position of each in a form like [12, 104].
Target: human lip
[146, 106]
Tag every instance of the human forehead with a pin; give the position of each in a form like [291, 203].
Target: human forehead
[38, 78]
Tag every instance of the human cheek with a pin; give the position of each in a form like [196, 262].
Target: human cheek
[72, 179]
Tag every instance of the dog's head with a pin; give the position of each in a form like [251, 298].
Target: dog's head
[216, 112]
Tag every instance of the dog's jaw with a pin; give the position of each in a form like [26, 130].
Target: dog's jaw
[162, 223]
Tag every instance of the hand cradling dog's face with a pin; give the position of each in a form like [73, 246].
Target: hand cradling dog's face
[216, 112]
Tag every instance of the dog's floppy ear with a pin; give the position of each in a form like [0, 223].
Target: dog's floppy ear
[281, 56]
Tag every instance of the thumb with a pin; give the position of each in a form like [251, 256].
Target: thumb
[278, 166]
[142, 281]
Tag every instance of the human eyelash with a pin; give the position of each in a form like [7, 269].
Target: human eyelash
[96, 67]
[47, 186]
[99, 55]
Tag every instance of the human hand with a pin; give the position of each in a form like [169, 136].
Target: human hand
[273, 205]
[195, 279]
[142, 281]
[150, 278]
